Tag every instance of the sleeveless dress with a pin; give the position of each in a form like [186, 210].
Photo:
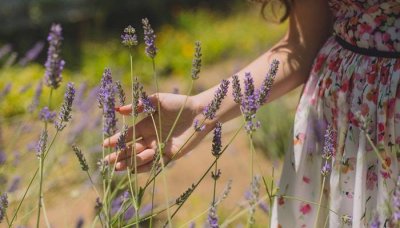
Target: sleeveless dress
[354, 91]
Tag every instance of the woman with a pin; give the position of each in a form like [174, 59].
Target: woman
[347, 52]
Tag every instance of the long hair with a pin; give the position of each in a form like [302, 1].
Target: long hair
[275, 10]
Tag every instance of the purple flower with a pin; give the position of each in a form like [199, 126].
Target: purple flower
[3, 157]
[80, 222]
[107, 102]
[236, 91]
[329, 146]
[375, 221]
[120, 93]
[146, 209]
[5, 91]
[216, 143]
[196, 63]
[211, 109]
[213, 217]
[36, 96]
[106, 80]
[54, 64]
[249, 105]
[41, 144]
[81, 158]
[65, 113]
[197, 127]
[121, 145]
[129, 213]
[264, 91]
[32, 54]
[14, 184]
[129, 38]
[149, 39]
[137, 89]
[3, 206]
[4, 50]
[46, 115]
[80, 94]
[326, 169]
[147, 105]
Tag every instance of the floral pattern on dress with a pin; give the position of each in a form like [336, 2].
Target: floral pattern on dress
[359, 96]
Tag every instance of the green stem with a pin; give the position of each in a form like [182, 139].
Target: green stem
[152, 202]
[215, 181]
[320, 200]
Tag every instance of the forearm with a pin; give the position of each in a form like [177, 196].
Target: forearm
[309, 27]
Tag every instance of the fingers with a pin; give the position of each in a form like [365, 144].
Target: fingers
[122, 155]
[142, 158]
[127, 109]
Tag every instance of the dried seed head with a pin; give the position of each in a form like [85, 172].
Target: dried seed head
[196, 63]
[81, 158]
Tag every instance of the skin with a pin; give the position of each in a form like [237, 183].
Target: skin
[310, 24]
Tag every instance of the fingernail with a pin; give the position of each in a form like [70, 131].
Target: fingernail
[117, 109]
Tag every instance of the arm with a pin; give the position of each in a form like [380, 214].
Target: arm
[309, 27]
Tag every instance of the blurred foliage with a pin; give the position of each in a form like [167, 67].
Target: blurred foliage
[222, 38]
[277, 118]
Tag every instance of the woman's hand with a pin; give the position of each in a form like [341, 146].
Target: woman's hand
[147, 142]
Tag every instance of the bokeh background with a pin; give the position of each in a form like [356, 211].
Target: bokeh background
[232, 34]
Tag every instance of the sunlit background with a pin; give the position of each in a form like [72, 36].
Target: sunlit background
[232, 34]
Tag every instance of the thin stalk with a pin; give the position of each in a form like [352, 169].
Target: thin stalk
[377, 152]
[215, 181]
[310, 202]
[41, 168]
[92, 183]
[162, 169]
[158, 100]
[152, 202]
[135, 194]
[320, 200]
[46, 219]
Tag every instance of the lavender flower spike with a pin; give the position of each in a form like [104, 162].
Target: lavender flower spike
[120, 92]
[66, 108]
[46, 115]
[196, 63]
[129, 38]
[137, 89]
[3, 206]
[106, 79]
[236, 91]
[41, 144]
[147, 105]
[54, 64]
[121, 145]
[81, 158]
[213, 217]
[149, 39]
[266, 85]
[329, 147]
[211, 109]
[216, 143]
[110, 120]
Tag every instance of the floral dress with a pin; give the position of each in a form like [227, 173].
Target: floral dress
[351, 106]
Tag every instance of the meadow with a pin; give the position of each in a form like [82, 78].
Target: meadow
[52, 172]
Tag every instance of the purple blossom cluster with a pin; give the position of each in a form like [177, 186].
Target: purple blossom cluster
[121, 144]
[46, 115]
[149, 39]
[213, 217]
[106, 98]
[196, 63]
[3, 206]
[81, 158]
[120, 93]
[251, 99]
[216, 142]
[129, 38]
[54, 64]
[328, 150]
[65, 114]
[136, 92]
[211, 109]
[32, 53]
[41, 144]
[36, 96]
[197, 127]
[148, 107]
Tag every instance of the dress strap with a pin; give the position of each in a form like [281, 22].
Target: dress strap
[366, 51]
